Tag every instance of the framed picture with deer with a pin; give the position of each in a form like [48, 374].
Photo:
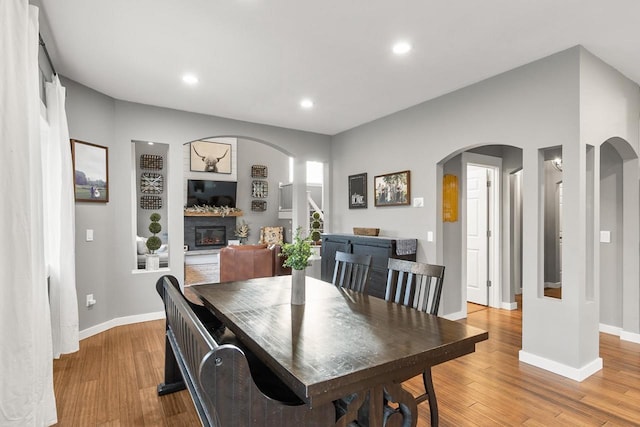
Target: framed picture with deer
[209, 156]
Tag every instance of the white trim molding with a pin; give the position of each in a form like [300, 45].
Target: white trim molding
[456, 316]
[630, 336]
[120, 321]
[509, 305]
[611, 330]
[576, 374]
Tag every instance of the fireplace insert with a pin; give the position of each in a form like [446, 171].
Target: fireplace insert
[213, 236]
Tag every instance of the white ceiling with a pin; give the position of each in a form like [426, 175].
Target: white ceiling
[256, 59]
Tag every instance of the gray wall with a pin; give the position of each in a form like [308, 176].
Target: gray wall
[105, 266]
[569, 99]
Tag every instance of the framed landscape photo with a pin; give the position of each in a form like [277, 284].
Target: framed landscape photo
[392, 189]
[358, 191]
[91, 171]
[209, 156]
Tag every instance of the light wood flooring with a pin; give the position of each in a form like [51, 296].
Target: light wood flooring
[112, 381]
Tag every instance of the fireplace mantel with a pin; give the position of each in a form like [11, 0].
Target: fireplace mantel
[212, 214]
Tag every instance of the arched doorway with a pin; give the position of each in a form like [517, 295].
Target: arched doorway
[504, 248]
[618, 238]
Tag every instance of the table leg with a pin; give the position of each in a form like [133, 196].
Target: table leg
[383, 405]
[172, 376]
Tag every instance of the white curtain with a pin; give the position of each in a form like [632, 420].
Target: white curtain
[26, 359]
[59, 219]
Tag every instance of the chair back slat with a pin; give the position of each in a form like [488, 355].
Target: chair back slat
[351, 271]
[415, 284]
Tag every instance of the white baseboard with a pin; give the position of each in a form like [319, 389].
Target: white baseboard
[611, 330]
[120, 321]
[509, 306]
[456, 316]
[619, 332]
[630, 336]
[576, 374]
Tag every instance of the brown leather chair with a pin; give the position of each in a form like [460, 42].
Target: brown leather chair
[244, 262]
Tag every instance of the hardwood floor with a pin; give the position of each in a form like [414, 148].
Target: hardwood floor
[112, 381]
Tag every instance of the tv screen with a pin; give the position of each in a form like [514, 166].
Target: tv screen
[213, 193]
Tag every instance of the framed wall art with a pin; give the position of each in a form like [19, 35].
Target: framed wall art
[209, 156]
[151, 161]
[91, 171]
[358, 191]
[259, 189]
[392, 189]
[259, 171]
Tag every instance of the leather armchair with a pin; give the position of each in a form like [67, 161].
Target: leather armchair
[250, 261]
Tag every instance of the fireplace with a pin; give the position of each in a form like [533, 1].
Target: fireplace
[211, 236]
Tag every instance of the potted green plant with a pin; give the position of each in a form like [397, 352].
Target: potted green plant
[297, 255]
[153, 243]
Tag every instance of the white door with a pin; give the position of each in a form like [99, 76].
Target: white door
[477, 239]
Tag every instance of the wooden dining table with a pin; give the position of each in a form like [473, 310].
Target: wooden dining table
[341, 346]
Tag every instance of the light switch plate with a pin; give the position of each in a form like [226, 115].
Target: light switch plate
[418, 202]
[89, 235]
[605, 236]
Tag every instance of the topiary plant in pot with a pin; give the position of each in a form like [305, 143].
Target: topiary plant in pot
[154, 242]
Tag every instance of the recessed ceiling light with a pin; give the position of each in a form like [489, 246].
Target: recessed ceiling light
[150, 143]
[306, 103]
[401, 48]
[190, 79]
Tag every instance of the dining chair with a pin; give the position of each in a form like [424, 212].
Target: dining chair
[351, 271]
[419, 286]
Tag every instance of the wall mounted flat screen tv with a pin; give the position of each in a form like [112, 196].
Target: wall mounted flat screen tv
[213, 193]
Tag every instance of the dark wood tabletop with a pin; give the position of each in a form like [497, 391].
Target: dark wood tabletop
[340, 341]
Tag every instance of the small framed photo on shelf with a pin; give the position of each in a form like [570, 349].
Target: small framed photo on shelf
[358, 191]
[392, 189]
[91, 171]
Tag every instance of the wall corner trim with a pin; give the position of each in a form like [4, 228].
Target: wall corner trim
[576, 374]
[120, 321]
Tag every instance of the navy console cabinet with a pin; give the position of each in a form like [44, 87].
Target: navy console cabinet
[380, 249]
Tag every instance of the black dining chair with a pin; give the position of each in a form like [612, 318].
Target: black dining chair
[419, 286]
[351, 271]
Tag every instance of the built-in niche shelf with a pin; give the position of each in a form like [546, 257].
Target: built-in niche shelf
[212, 214]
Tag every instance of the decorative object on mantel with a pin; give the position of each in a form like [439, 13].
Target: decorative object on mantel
[242, 231]
[259, 171]
[392, 189]
[151, 183]
[365, 231]
[153, 243]
[151, 161]
[297, 256]
[259, 189]
[258, 205]
[449, 198]
[206, 210]
[150, 202]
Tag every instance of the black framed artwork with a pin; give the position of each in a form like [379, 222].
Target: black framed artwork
[91, 171]
[358, 191]
[392, 189]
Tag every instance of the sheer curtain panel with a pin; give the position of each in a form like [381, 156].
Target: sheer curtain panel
[59, 219]
[26, 359]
